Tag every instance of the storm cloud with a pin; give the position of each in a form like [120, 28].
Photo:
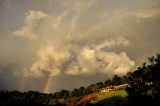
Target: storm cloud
[74, 41]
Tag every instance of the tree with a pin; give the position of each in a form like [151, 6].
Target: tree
[108, 82]
[74, 93]
[57, 95]
[116, 80]
[80, 91]
[124, 79]
[64, 93]
[145, 84]
[100, 85]
[87, 91]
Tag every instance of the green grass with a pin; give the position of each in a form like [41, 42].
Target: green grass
[112, 98]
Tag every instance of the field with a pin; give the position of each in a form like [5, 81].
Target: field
[111, 98]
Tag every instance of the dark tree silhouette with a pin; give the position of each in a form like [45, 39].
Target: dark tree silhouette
[145, 84]
[116, 80]
[108, 82]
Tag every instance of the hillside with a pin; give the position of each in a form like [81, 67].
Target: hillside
[111, 98]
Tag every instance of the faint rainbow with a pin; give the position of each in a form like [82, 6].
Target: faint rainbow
[46, 85]
[23, 82]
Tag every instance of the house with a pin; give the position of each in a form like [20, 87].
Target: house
[107, 89]
[114, 88]
[121, 87]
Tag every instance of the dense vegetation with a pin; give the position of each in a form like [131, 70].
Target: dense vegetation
[144, 88]
[145, 84]
[58, 98]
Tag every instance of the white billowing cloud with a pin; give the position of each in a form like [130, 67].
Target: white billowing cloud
[90, 62]
[48, 61]
[115, 63]
[54, 56]
[32, 22]
[42, 27]
[85, 64]
[45, 30]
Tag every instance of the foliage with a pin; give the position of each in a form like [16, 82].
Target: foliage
[42, 99]
[145, 84]
[116, 80]
[27, 98]
[62, 94]
[108, 82]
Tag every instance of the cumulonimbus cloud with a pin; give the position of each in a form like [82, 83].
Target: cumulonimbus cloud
[55, 55]
[48, 61]
[93, 61]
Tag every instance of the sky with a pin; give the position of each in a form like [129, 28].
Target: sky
[49, 45]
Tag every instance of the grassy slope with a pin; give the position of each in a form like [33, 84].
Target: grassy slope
[111, 98]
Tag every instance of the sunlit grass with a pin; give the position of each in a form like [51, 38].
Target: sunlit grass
[109, 98]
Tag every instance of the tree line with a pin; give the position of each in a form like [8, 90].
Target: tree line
[8, 98]
[92, 88]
